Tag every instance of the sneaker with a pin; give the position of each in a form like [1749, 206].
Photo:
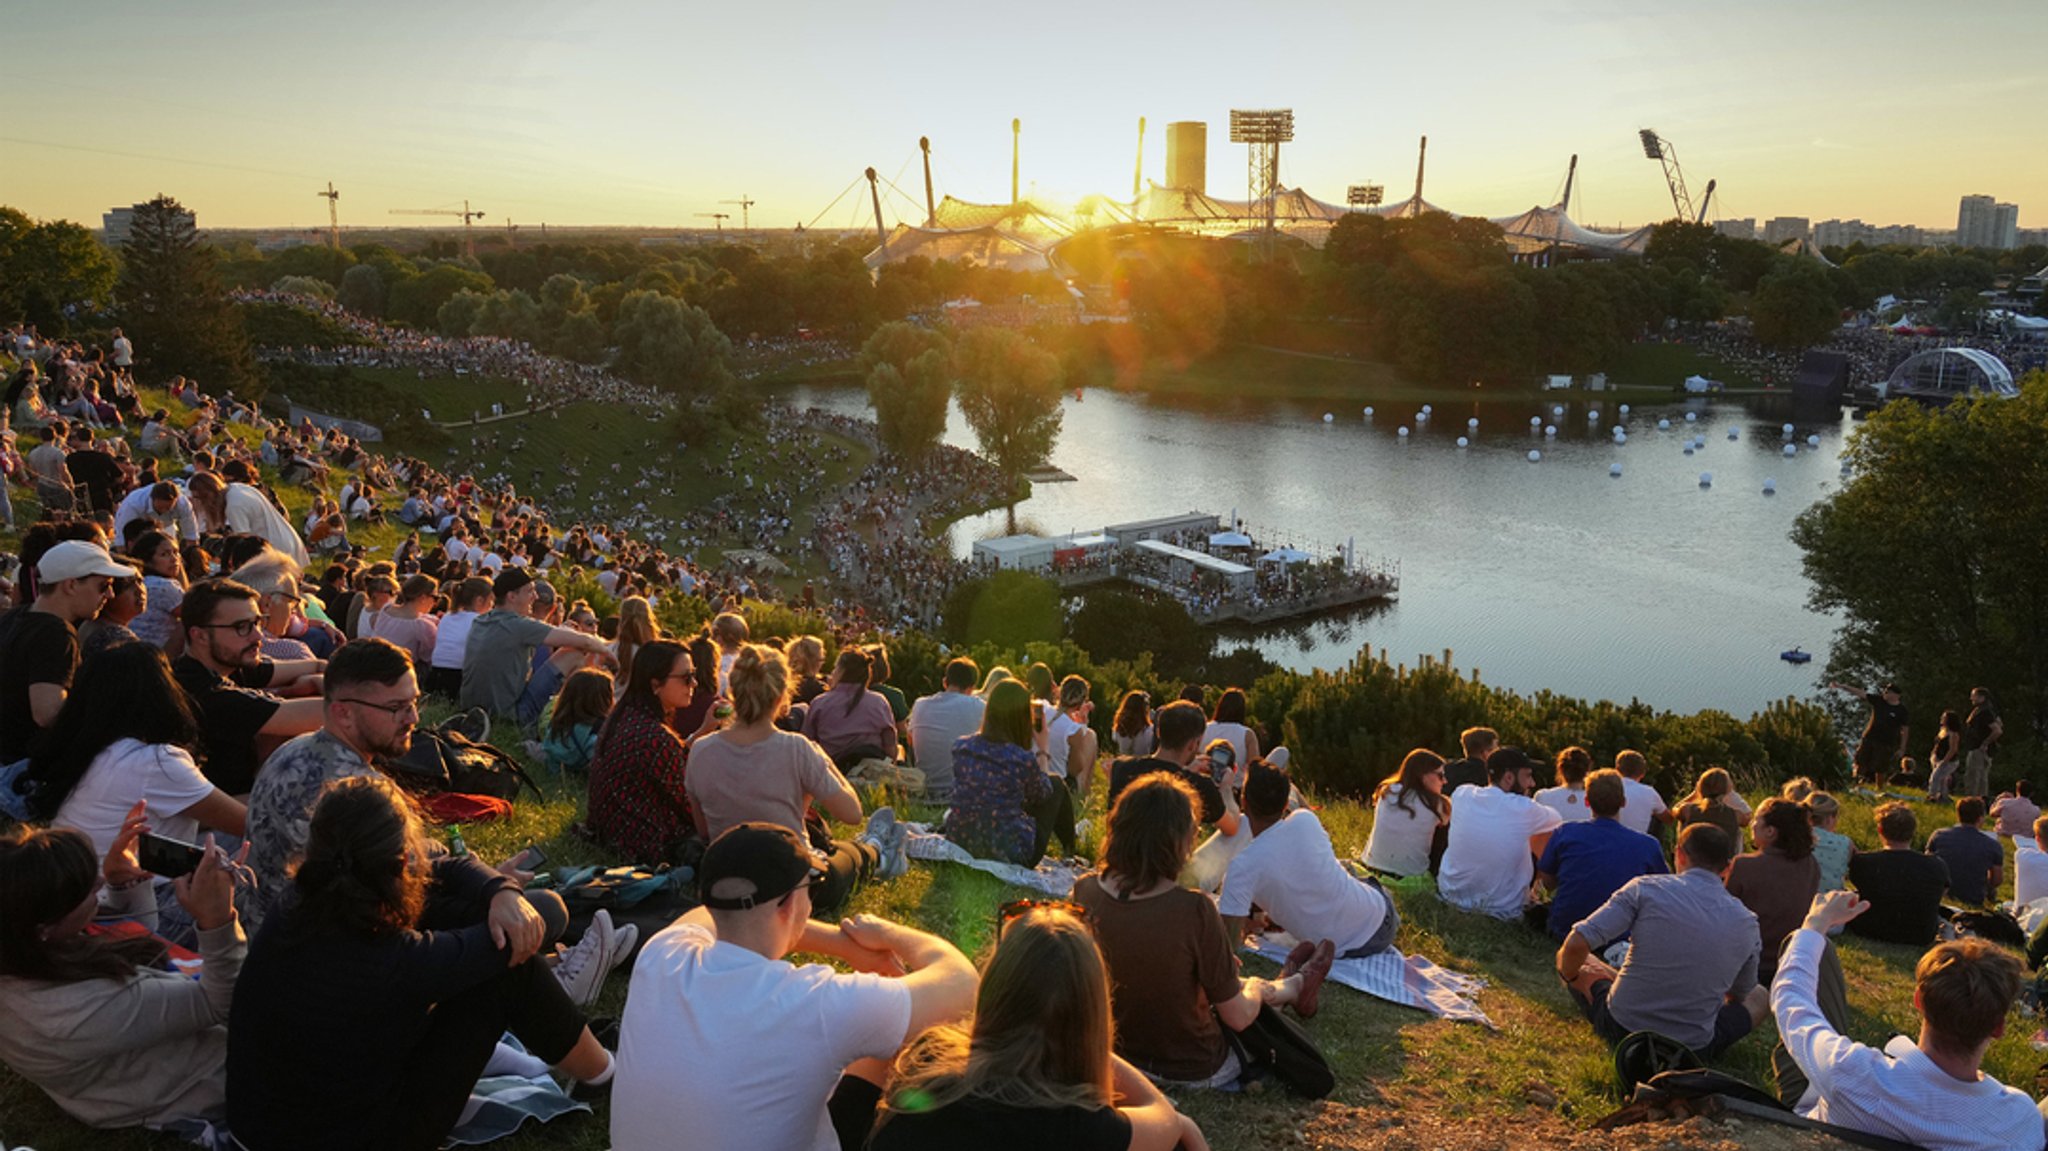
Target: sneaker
[1298, 958]
[583, 967]
[889, 839]
[1313, 972]
[624, 940]
[473, 725]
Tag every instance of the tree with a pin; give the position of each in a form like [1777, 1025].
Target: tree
[581, 337]
[1794, 307]
[909, 373]
[1010, 608]
[1931, 554]
[44, 267]
[172, 305]
[666, 343]
[1009, 390]
[303, 286]
[362, 290]
[417, 300]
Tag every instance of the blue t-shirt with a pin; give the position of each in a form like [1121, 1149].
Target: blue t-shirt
[1593, 860]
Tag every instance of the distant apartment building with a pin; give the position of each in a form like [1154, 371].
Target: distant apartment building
[1910, 235]
[1779, 229]
[1842, 233]
[1983, 222]
[1743, 229]
[2030, 237]
[2006, 227]
[117, 222]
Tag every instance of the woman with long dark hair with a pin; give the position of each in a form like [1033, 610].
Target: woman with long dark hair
[1409, 812]
[371, 1001]
[638, 802]
[1229, 721]
[850, 722]
[1035, 1067]
[1946, 756]
[100, 1022]
[1778, 880]
[1131, 730]
[1004, 807]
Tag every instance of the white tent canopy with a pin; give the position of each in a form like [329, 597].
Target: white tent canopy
[1285, 556]
[1230, 540]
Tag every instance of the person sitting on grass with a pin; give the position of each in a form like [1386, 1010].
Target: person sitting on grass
[579, 714]
[639, 802]
[938, 721]
[2015, 811]
[1172, 965]
[1714, 800]
[224, 674]
[1690, 973]
[1975, 858]
[1778, 880]
[1180, 727]
[725, 1045]
[1645, 808]
[1035, 1067]
[1568, 798]
[1478, 743]
[1004, 807]
[1411, 817]
[1499, 831]
[1930, 1091]
[1584, 864]
[1904, 887]
[99, 1020]
[849, 721]
[1290, 871]
[374, 997]
[1831, 849]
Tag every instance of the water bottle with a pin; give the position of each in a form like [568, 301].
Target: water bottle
[456, 846]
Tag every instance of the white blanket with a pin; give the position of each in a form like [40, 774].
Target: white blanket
[1049, 877]
[1410, 981]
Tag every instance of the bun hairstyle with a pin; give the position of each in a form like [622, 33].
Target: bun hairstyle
[759, 682]
[1073, 692]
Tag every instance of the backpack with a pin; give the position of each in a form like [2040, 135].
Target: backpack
[444, 761]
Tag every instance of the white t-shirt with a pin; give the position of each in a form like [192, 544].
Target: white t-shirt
[124, 352]
[1236, 733]
[1059, 727]
[722, 1047]
[1401, 836]
[162, 775]
[1290, 870]
[1487, 867]
[1568, 802]
[1641, 805]
[452, 638]
[2029, 870]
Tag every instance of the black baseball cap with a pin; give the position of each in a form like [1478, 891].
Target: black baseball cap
[774, 859]
[510, 580]
[1507, 759]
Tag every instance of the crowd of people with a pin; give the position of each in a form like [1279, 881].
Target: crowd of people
[1872, 352]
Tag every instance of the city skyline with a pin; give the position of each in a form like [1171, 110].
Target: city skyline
[647, 115]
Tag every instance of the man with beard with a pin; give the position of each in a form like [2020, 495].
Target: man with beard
[368, 714]
[224, 674]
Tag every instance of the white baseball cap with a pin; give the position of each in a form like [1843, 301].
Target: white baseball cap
[77, 559]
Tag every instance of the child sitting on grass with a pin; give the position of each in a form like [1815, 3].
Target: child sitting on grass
[579, 711]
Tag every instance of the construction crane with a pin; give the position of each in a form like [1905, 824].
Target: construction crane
[511, 233]
[745, 201]
[333, 215]
[467, 213]
[1662, 151]
[721, 217]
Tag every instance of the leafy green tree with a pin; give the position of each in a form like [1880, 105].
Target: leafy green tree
[1931, 555]
[666, 343]
[304, 286]
[1794, 307]
[46, 266]
[1010, 608]
[317, 261]
[1009, 391]
[362, 290]
[909, 374]
[510, 314]
[418, 299]
[172, 305]
[1120, 625]
[457, 316]
[581, 337]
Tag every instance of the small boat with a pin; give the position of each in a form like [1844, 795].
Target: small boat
[1796, 656]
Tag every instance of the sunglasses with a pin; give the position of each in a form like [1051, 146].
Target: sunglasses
[1020, 907]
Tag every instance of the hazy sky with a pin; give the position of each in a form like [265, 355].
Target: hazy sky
[648, 113]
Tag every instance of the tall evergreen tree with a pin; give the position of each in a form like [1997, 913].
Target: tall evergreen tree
[173, 305]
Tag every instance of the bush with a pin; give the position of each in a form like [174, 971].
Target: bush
[1009, 608]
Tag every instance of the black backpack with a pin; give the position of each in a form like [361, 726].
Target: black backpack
[445, 761]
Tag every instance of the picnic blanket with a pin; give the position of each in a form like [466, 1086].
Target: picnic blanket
[515, 1088]
[1049, 877]
[1410, 981]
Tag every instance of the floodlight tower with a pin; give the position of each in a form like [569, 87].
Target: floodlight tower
[1263, 130]
[1664, 153]
[1365, 195]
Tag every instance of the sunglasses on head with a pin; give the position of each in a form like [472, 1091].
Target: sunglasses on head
[1017, 908]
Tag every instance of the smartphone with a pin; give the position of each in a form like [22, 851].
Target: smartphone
[1221, 761]
[532, 859]
[169, 858]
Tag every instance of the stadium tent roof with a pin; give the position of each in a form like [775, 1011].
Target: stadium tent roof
[1541, 228]
[1952, 372]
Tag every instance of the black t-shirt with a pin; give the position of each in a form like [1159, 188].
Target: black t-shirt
[1887, 720]
[988, 1126]
[1123, 771]
[1460, 772]
[1904, 889]
[1970, 855]
[35, 647]
[230, 716]
[100, 474]
[1977, 728]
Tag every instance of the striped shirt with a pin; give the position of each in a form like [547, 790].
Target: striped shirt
[1898, 1093]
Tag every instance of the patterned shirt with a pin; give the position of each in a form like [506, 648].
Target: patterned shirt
[994, 785]
[281, 811]
[637, 803]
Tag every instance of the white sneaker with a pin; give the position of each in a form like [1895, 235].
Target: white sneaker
[583, 967]
[890, 839]
[624, 939]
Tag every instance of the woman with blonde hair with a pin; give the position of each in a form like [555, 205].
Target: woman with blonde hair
[637, 626]
[806, 654]
[1035, 1066]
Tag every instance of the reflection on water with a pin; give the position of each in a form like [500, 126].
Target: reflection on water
[1553, 574]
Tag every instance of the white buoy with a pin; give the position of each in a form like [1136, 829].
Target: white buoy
[1788, 431]
[1428, 409]
[1699, 441]
[1422, 417]
[1620, 437]
[1734, 434]
[1813, 441]
[1791, 449]
[1403, 433]
[1613, 469]
[1368, 413]
[1550, 429]
[1688, 449]
[1535, 421]
[1619, 430]
[1593, 417]
[1663, 425]
[1534, 455]
[1624, 409]
[1463, 442]
[1557, 409]
[1473, 422]
[1329, 417]
[1690, 417]
[1770, 487]
[1706, 479]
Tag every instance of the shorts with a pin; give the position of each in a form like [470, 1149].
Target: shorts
[1731, 1022]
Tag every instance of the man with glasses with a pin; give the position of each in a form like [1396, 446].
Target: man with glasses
[39, 641]
[725, 1045]
[224, 674]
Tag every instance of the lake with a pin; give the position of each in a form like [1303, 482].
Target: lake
[1552, 574]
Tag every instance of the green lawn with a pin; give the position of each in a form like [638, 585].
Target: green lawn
[1665, 366]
